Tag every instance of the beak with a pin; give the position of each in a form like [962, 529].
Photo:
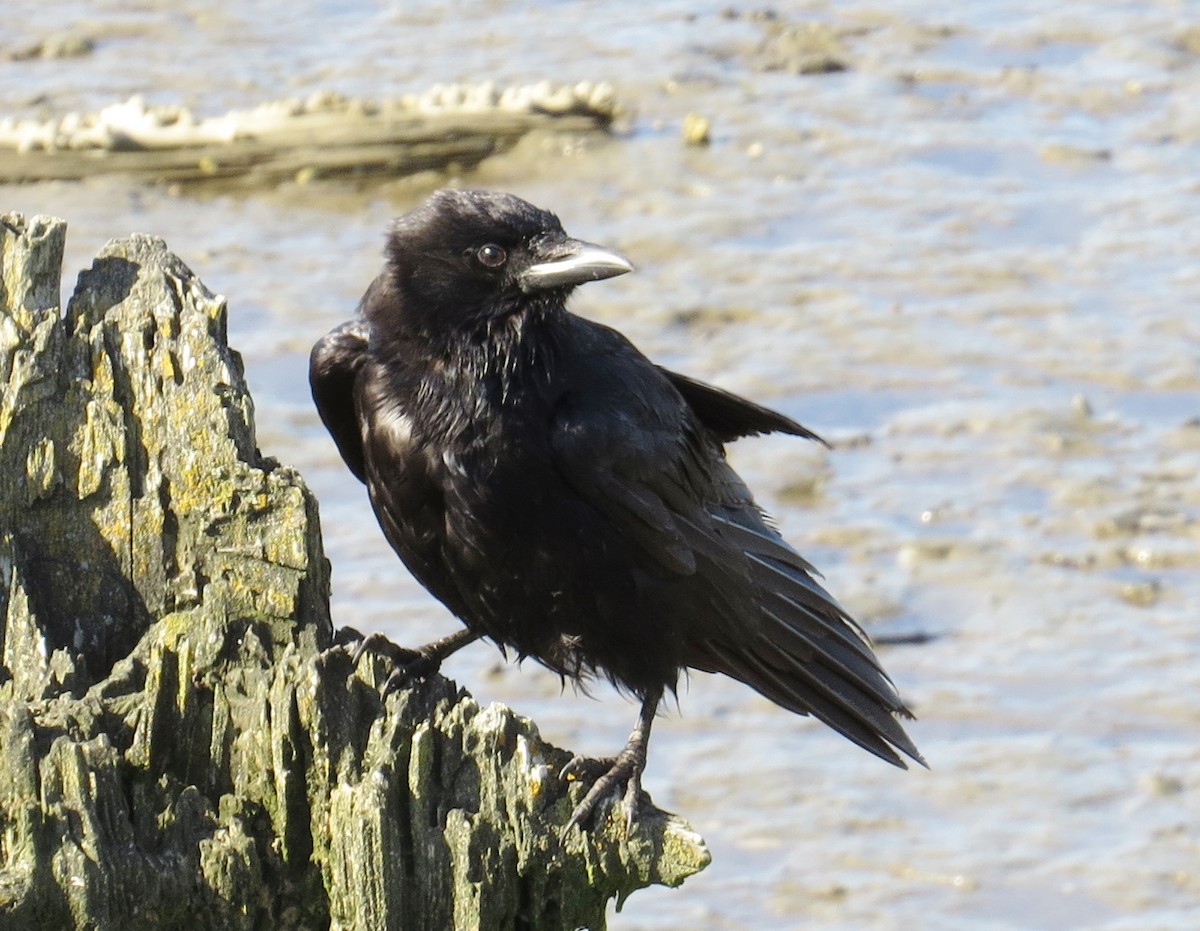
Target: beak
[569, 262]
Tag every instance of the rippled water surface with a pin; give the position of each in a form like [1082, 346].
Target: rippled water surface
[971, 259]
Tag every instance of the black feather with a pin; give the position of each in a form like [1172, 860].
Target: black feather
[729, 417]
[564, 496]
[333, 369]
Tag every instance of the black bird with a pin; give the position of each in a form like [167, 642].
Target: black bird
[567, 498]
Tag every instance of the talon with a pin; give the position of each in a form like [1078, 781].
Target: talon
[396, 680]
[632, 802]
[381, 646]
[587, 768]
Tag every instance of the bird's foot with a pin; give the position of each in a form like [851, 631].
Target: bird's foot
[587, 768]
[408, 665]
[607, 774]
[625, 769]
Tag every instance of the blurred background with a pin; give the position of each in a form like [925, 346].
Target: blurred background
[960, 241]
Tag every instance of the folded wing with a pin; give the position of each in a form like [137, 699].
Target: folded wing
[754, 609]
[333, 367]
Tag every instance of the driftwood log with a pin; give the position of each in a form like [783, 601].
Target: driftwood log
[181, 745]
[325, 135]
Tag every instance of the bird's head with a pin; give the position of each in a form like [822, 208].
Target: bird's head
[466, 258]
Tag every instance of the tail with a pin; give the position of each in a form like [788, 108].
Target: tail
[804, 652]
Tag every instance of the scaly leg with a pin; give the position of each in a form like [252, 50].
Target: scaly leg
[625, 768]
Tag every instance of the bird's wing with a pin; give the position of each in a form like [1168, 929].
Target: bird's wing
[805, 652]
[618, 440]
[333, 368]
[755, 612]
[729, 416]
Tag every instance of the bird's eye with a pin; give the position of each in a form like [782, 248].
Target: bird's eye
[491, 255]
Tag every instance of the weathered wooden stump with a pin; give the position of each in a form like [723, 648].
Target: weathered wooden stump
[324, 135]
[180, 746]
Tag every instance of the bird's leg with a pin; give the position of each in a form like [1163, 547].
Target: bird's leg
[625, 768]
[410, 664]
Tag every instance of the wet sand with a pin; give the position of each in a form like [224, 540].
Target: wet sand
[969, 258]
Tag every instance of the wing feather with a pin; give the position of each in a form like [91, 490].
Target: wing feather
[729, 416]
[740, 600]
[333, 369]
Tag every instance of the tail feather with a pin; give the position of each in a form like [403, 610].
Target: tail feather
[790, 584]
[849, 694]
[806, 653]
[781, 689]
[752, 537]
[790, 638]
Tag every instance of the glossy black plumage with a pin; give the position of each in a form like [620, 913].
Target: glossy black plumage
[564, 496]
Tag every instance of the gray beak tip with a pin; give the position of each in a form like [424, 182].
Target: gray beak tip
[578, 264]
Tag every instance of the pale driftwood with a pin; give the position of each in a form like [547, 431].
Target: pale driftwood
[323, 135]
[180, 747]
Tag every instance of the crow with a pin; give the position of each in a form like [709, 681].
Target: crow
[567, 498]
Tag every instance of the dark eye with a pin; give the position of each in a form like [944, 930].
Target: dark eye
[491, 255]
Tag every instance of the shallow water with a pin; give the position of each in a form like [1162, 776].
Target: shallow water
[971, 261]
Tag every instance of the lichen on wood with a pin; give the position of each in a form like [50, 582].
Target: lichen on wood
[181, 744]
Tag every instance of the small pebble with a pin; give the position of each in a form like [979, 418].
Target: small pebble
[696, 130]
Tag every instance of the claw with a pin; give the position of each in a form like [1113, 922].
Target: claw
[632, 802]
[381, 646]
[586, 768]
[420, 666]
